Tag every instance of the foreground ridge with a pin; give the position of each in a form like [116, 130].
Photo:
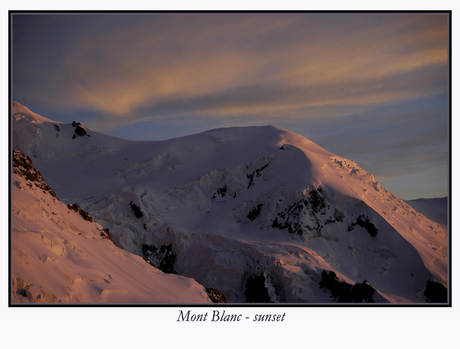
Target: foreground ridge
[60, 255]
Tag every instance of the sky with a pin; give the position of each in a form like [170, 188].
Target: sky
[371, 87]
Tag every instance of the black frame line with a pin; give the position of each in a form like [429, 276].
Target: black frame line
[11, 13]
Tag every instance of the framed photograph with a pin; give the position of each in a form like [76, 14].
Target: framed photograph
[233, 166]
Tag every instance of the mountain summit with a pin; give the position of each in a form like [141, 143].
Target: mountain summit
[259, 213]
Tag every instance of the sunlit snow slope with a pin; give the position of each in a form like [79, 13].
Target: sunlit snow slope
[60, 257]
[259, 213]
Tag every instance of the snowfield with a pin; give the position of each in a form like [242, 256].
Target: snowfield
[58, 256]
[259, 213]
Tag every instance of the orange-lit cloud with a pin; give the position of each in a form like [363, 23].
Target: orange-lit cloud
[239, 64]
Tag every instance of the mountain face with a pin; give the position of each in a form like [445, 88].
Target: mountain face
[60, 255]
[259, 213]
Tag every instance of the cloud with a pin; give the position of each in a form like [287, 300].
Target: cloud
[238, 64]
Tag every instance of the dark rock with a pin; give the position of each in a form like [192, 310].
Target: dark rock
[105, 234]
[338, 216]
[162, 258]
[256, 291]
[328, 279]
[74, 207]
[251, 179]
[255, 212]
[346, 293]
[216, 296]
[222, 191]
[80, 131]
[362, 293]
[22, 292]
[317, 201]
[86, 216]
[33, 176]
[148, 261]
[314, 205]
[82, 212]
[435, 292]
[363, 221]
[256, 173]
[23, 166]
[136, 210]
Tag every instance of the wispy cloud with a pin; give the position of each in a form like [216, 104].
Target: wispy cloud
[242, 63]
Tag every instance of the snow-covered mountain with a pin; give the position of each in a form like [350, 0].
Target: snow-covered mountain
[259, 213]
[60, 255]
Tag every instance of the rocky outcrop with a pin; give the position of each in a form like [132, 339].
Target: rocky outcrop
[221, 191]
[363, 221]
[435, 292]
[346, 293]
[23, 166]
[256, 290]
[83, 213]
[80, 131]
[256, 173]
[105, 234]
[255, 212]
[308, 216]
[216, 296]
[136, 210]
[162, 258]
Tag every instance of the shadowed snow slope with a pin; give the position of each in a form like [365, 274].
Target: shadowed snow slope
[246, 210]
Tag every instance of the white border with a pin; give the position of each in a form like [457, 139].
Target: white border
[152, 327]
